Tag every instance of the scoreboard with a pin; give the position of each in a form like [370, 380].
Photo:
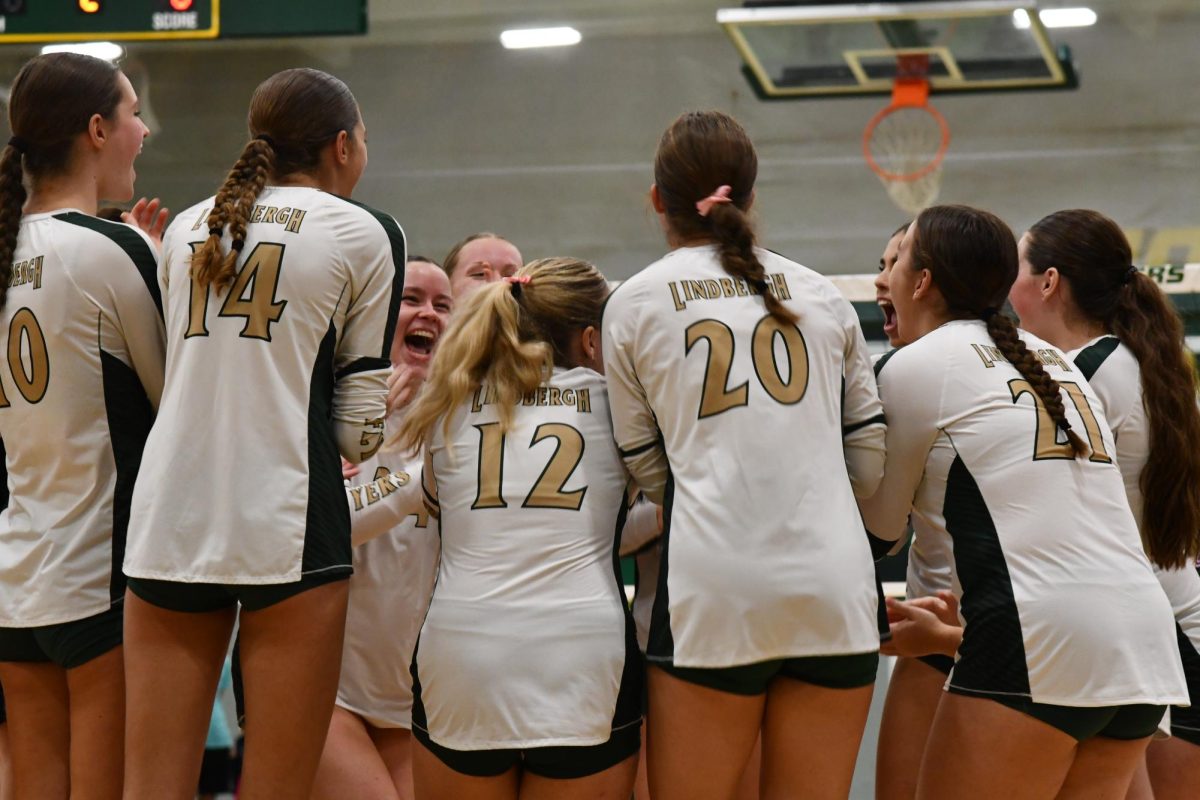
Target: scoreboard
[41, 21]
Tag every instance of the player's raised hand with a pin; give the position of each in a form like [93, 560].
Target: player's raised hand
[149, 215]
[349, 470]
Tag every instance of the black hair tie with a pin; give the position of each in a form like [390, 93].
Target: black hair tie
[237, 245]
[988, 313]
[1063, 425]
[18, 144]
[760, 285]
[262, 137]
[1130, 274]
[216, 232]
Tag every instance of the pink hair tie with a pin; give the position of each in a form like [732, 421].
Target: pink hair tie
[721, 195]
[521, 279]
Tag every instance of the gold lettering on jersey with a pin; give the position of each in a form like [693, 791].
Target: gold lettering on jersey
[990, 355]
[202, 219]
[370, 493]
[686, 291]
[290, 218]
[580, 399]
[30, 271]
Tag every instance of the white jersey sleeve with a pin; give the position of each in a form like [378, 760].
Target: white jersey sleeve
[641, 526]
[378, 505]
[863, 424]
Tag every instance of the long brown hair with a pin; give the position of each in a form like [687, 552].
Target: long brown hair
[510, 336]
[51, 102]
[293, 115]
[1093, 256]
[972, 256]
[700, 152]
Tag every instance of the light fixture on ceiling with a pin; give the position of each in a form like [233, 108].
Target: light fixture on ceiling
[524, 38]
[107, 51]
[1057, 17]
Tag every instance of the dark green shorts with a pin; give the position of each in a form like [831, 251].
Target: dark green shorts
[942, 663]
[1081, 723]
[67, 644]
[831, 672]
[199, 598]
[560, 763]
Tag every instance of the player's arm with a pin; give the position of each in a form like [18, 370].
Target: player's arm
[643, 524]
[864, 429]
[378, 506]
[373, 247]
[910, 390]
[636, 431]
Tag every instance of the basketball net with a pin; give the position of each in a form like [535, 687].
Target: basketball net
[905, 143]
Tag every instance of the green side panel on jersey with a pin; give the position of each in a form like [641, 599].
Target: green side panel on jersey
[628, 571]
[1090, 358]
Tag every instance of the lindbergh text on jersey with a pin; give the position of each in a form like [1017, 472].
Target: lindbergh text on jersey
[684, 291]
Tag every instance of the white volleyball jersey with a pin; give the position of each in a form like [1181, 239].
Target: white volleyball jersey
[267, 381]
[930, 556]
[83, 333]
[755, 437]
[1114, 373]
[1058, 599]
[527, 635]
[641, 540]
[389, 593]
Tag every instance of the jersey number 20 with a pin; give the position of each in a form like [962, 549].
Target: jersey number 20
[716, 397]
[260, 273]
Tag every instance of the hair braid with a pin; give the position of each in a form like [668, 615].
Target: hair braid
[1004, 334]
[232, 207]
[12, 199]
[735, 244]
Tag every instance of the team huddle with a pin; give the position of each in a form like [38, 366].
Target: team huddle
[407, 487]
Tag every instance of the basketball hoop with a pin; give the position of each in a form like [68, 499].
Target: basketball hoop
[905, 143]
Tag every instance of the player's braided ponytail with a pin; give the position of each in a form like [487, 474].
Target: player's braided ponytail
[12, 199]
[1004, 334]
[508, 337]
[51, 102]
[232, 208]
[294, 114]
[972, 256]
[704, 174]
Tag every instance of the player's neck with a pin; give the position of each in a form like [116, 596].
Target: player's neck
[1070, 333]
[50, 194]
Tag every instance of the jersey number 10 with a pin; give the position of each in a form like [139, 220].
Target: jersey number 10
[32, 384]
[260, 273]
[716, 397]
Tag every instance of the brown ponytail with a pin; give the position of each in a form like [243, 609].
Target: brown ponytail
[293, 115]
[12, 200]
[52, 101]
[1093, 256]
[972, 256]
[699, 152]
[1004, 334]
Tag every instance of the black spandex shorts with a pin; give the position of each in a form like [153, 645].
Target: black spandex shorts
[1185, 724]
[67, 644]
[1113, 722]
[941, 663]
[199, 598]
[562, 763]
[831, 672]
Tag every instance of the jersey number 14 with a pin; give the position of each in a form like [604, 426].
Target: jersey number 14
[259, 274]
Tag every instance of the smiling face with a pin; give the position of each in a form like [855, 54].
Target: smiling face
[424, 311]
[883, 289]
[124, 133]
[483, 261]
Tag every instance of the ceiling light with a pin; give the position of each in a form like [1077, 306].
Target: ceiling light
[522, 38]
[1057, 18]
[107, 51]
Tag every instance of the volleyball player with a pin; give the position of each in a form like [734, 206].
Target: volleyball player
[526, 678]
[478, 259]
[282, 298]
[1078, 290]
[743, 401]
[1068, 654]
[368, 752]
[81, 322]
[916, 681]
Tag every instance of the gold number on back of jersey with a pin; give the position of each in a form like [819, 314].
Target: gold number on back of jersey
[31, 382]
[715, 398]
[1045, 443]
[547, 491]
[259, 274]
